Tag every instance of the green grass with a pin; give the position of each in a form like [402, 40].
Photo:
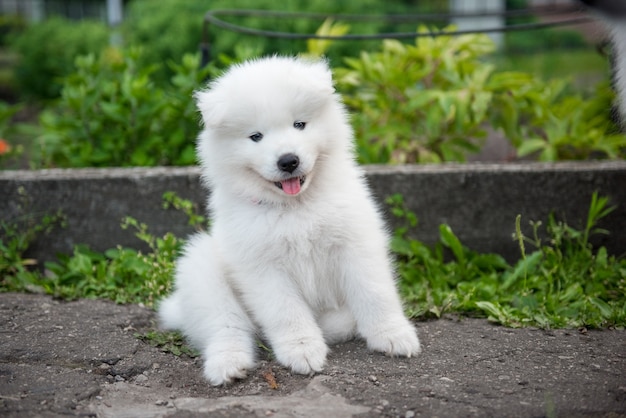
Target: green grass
[558, 282]
[562, 283]
[124, 275]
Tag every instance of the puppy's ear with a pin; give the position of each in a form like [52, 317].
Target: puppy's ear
[321, 77]
[210, 106]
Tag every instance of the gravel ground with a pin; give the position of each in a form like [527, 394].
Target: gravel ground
[82, 358]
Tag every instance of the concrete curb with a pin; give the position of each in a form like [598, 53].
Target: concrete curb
[479, 201]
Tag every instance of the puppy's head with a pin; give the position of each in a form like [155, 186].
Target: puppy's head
[269, 124]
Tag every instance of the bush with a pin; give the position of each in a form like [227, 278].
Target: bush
[425, 102]
[550, 124]
[47, 51]
[434, 100]
[112, 113]
[166, 38]
[9, 26]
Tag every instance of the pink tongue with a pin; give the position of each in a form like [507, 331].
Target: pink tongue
[291, 186]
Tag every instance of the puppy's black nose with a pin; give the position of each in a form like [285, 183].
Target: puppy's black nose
[288, 163]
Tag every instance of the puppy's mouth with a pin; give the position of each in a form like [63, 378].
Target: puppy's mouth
[291, 186]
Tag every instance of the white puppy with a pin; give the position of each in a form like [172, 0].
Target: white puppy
[297, 251]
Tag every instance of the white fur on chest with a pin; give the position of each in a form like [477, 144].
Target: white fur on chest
[301, 245]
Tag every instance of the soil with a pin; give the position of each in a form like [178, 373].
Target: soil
[83, 358]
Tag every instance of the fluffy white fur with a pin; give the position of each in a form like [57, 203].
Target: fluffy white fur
[303, 266]
[617, 28]
[613, 14]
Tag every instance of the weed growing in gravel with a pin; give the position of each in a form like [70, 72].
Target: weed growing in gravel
[563, 282]
[170, 342]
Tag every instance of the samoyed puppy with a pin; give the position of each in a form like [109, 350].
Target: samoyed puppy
[297, 253]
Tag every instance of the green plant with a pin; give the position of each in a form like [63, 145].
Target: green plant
[568, 126]
[433, 101]
[424, 102]
[123, 275]
[565, 282]
[431, 283]
[317, 48]
[47, 51]
[16, 269]
[189, 208]
[169, 342]
[112, 113]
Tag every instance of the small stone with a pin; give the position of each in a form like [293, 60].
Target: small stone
[141, 378]
[409, 414]
[372, 378]
[119, 378]
[160, 402]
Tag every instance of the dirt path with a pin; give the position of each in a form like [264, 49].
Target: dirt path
[81, 358]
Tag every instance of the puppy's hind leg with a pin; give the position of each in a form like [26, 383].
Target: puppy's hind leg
[205, 309]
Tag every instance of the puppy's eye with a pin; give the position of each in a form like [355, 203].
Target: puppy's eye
[256, 137]
[299, 125]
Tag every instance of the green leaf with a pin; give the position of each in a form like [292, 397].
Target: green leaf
[451, 241]
[605, 309]
[530, 146]
[494, 311]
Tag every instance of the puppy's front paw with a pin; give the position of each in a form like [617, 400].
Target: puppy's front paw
[302, 355]
[397, 340]
[222, 367]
